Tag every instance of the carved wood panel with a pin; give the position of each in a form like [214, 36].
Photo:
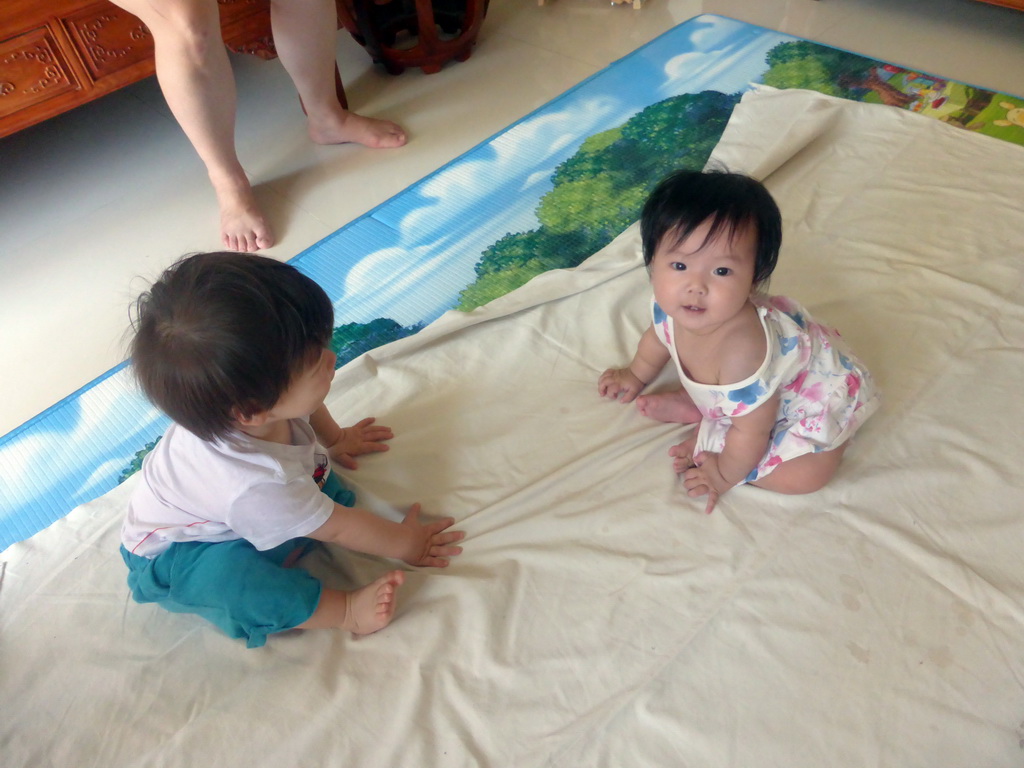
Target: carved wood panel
[1018, 4]
[232, 9]
[32, 70]
[109, 39]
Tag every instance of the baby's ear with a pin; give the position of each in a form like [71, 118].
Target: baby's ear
[256, 419]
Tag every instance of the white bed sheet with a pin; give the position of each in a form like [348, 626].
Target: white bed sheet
[597, 617]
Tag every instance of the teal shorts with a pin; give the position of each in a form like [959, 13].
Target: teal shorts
[247, 593]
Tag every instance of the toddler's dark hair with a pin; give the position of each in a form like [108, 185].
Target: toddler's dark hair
[225, 331]
[684, 200]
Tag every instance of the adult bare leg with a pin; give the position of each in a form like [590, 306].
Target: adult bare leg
[195, 76]
[305, 32]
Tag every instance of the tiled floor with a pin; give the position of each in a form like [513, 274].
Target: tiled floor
[95, 203]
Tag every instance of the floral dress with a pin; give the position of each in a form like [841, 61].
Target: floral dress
[826, 392]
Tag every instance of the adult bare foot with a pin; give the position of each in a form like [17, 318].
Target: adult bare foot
[673, 407]
[242, 226]
[342, 126]
[372, 607]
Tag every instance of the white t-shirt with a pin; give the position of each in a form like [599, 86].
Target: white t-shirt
[237, 488]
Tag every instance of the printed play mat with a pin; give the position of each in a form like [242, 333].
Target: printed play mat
[545, 193]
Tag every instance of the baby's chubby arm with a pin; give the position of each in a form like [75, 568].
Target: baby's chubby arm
[626, 383]
[746, 443]
[427, 544]
[343, 443]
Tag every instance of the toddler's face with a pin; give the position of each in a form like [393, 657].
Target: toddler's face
[702, 285]
[308, 389]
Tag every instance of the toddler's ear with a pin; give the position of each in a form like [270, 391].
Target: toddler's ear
[257, 419]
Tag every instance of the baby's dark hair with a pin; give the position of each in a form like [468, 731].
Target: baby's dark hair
[220, 332]
[684, 200]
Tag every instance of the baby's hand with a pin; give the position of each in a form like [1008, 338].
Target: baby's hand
[358, 439]
[619, 381]
[704, 479]
[433, 542]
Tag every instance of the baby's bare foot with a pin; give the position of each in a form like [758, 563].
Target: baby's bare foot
[372, 607]
[347, 127]
[682, 454]
[673, 407]
[242, 226]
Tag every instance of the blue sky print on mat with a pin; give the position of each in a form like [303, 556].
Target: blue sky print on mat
[72, 453]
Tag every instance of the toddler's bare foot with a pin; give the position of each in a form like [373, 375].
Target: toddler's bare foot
[242, 226]
[673, 407]
[372, 607]
[340, 127]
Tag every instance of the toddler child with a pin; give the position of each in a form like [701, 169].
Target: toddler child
[777, 395]
[233, 348]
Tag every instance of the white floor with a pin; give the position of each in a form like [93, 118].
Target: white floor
[95, 203]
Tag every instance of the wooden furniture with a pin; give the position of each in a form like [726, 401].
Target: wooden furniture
[58, 54]
[1018, 4]
[415, 33]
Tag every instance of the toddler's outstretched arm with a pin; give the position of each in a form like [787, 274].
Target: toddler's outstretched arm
[343, 443]
[427, 544]
[626, 383]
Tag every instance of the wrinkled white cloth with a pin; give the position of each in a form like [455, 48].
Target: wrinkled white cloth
[597, 617]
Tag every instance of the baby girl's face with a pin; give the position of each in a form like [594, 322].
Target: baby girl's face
[703, 284]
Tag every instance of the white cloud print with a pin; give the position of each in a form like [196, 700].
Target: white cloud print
[406, 284]
[527, 152]
[727, 70]
[712, 30]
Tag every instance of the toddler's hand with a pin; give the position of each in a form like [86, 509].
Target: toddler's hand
[433, 541]
[358, 439]
[616, 382]
[704, 479]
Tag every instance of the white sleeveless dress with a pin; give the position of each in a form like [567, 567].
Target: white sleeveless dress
[826, 392]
